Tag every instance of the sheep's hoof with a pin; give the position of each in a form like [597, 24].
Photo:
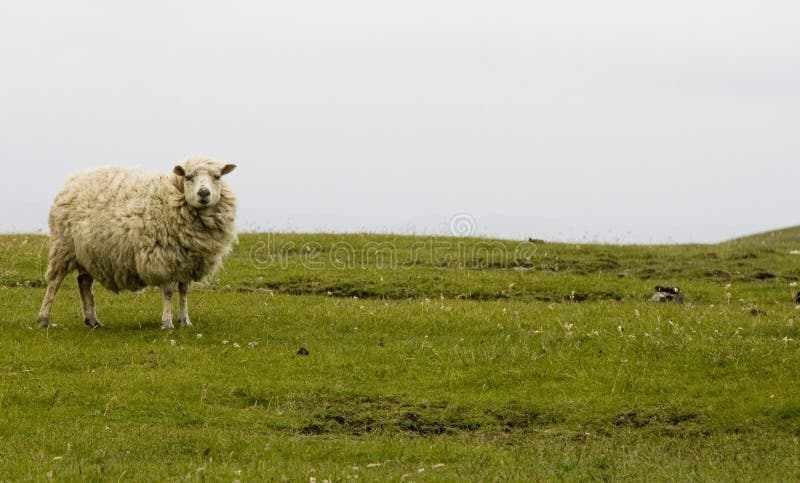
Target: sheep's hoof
[186, 322]
[94, 324]
[167, 325]
[44, 323]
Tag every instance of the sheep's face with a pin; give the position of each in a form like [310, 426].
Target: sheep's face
[201, 181]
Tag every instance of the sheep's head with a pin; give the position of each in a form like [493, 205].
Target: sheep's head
[201, 180]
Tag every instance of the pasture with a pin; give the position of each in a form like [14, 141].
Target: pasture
[378, 357]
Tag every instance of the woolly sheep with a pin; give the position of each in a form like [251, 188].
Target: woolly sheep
[129, 229]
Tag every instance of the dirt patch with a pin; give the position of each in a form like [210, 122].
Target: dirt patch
[641, 419]
[424, 419]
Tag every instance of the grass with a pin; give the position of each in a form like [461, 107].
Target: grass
[387, 358]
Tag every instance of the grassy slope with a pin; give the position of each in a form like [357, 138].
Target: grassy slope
[547, 364]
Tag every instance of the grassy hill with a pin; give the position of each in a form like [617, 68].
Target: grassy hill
[786, 237]
[394, 357]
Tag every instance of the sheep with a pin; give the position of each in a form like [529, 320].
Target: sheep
[667, 294]
[129, 229]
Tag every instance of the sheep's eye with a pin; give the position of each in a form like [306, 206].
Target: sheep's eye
[216, 177]
[189, 178]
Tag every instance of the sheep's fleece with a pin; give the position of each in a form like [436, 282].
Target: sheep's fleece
[129, 229]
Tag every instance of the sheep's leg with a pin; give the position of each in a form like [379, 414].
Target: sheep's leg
[183, 309]
[49, 296]
[87, 300]
[166, 314]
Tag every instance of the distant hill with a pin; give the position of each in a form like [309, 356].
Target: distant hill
[784, 237]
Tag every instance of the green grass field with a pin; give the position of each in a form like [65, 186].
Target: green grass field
[374, 357]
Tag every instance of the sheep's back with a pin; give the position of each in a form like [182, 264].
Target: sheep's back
[102, 213]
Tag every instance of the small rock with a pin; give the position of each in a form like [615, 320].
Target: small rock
[302, 351]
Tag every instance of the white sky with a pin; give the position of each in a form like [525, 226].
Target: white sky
[614, 121]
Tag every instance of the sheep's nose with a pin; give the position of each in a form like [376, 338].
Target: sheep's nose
[204, 193]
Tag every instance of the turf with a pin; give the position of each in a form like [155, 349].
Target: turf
[377, 357]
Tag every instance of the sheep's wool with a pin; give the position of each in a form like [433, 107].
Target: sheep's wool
[129, 229]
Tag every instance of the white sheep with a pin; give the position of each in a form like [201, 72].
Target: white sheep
[129, 229]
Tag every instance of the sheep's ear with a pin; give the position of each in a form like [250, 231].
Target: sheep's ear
[178, 171]
[228, 168]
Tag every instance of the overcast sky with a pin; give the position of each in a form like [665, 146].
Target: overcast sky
[629, 121]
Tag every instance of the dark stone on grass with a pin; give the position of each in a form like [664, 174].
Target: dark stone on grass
[797, 298]
[302, 351]
[763, 275]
